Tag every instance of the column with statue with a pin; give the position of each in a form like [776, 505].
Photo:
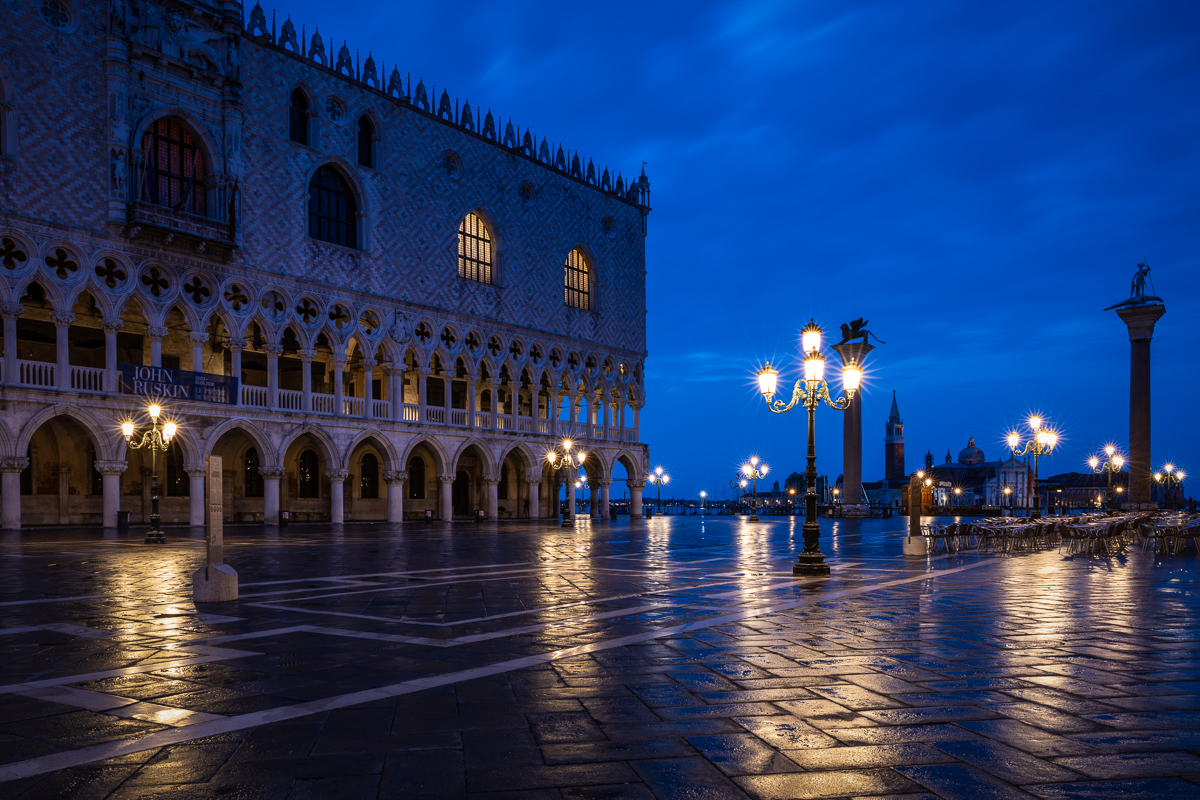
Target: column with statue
[853, 504]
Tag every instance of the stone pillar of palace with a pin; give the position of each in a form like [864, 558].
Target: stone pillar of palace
[635, 499]
[593, 500]
[395, 494]
[493, 497]
[11, 311]
[337, 505]
[273, 351]
[445, 496]
[1140, 320]
[62, 322]
[368, 372]
[853, 503]
[112, 370]
[604, 498]
[339, 366]
[196, 505]
[535, 510]
[110, 485]
[10, 491]
[156, 334]
[236, 346]
[306, 359]
[270, 476]
[198, 340]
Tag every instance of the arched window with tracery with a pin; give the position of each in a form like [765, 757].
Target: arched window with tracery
[298, 117]
[251, 477]
[307, 478]
[369, 481]
[174, 168]
[366, 142]
[577, 281]
[416, 478]
[332, 210]
[475, 249]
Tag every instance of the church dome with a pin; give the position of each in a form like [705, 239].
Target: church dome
[971, 455]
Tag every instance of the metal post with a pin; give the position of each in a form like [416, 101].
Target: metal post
[811, 561]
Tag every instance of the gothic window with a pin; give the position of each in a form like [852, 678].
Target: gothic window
[369, 482]
[307, 475]
[416, 479]
[252, 480]
[174, 167]
[577, 281]
[366, 141]
[298, 117]
[475, 249]
[8, 127]
[332, 211]
[176, 483]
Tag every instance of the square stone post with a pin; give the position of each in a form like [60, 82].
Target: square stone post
[112, 370]
[337, 483]
[494, 388]
[635, 499]
[62, 322]
[1140, 320]
[306, 359]
[195, 473]
[447, 391]
[445, 498]
[395, 494]
[552, 412]
[270, 476]
[493, 499]
[394, 374]
[11, 311]
[422, 376]
[110, 485]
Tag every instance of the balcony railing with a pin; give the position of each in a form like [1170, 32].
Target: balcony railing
[291, 400]
[412, 412]
[178, 226]
[458, 416]
[36, 373]
[435, 414]
[322, 403]
[352, 406]
[381, 409]
[254, 396]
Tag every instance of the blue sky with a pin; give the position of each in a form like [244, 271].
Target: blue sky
[978, 180]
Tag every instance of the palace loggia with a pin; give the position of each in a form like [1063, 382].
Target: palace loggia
[417, 298]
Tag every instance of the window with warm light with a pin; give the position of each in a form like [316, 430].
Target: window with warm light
[475, 251]
[577, 281]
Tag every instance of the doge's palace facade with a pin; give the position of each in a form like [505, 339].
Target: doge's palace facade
[399, 301]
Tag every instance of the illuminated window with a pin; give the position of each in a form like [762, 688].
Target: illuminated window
[175, 169]
[475, 249]
[332, 210]
[577, 281]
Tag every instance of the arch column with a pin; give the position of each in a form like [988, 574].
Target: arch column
[395, 494]
[273, 351]
[494, 389]
[10, 312]
[236, 346]
[471, 405]
[604, 498]
[10, 492]
[270, 476]
[535, 510]
[195, 473]
[637, 423]
[306, 359]
[593, 500]
[552, 412]
[493, 497]
[112, 370]
[339, 366]
[445, 498]
[337, 483]
[62, 373]
[110, 484]
[198, 340]
[368, 369]
[395, 382]
[64, 494]
[422, 375]
[156, 334]
[635, 498]
[572, 416]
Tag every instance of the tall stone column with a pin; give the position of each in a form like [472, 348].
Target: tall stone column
[593, 500]
[394, 377]
[493, 499]
[306, 359]
[156, 334]
[535, 509]
[339, 367]
[10, 492]
[270, 476]
[1139, 320]
[112, 370]
[198, 340]
[445, 497]
[422, 380]
[471, 387]
[337, 483]
[273, 351]
[110, 485]
[853, 504]
[395, 494]
[635, 499]
[604, 498]
[62, 374]
[10, 312]
[236, 346]
[196, 505]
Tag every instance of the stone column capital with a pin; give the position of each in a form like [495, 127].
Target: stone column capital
[391, 369]
[1140, 320]
[11, 310]
[19, 464]
[446, 477]
[369, 363]
[197, 338]
[306, 355]
[62, 319]
[395, 476]
[237, 344]
[64, 469]
[636, 484]
[603, 483]
[155, 332]
[273, 350]
[492, 481]
[337, 474]
[110, 467]
[270, 473]
[195, 470]
[339, 360]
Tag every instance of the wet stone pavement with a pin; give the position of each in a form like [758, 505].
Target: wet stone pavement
[673, 658]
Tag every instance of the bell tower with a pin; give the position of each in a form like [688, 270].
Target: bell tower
[893, 445]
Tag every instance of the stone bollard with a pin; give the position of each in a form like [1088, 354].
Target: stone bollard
[216, 581]
[915, 544]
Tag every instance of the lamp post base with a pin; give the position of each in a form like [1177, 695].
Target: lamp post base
[155, 537]
[754, 517]
[567, 522]
[810, 564]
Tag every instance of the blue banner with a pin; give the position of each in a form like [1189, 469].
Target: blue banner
[160, 383]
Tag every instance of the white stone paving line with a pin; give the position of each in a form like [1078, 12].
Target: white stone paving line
[57, 599]
[209, 654]
[100, 752]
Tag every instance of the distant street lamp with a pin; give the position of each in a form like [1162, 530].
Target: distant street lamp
[809, 391]
[703, 497]
[791, 498]
[659, 478]
[754, 469]
[1112, 463]
[1168, 476]
[1008, 498]
[155, 439]
[1041, 443]
[566, 461]
[957, 496]
[581, 483]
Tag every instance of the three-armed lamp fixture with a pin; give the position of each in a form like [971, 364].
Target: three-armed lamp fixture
[753, 470]
[1112, 463]
[660, 478]
[1041, 443]
[810, 391]
[155, 439]
[1170, 475]
[567, 462]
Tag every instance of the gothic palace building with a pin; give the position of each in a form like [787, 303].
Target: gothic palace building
[398, 302]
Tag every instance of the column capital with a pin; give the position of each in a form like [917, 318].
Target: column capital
[534, 481]
[369, 363]
[195, 470]
[339, 359]
[155, 332]
[1140, 320]
[395, 476]
[11, 310]
[270, 473]
[492, 481]
[446, 477]
[64, 469]
[391, 368]
[19, 464]
[237, 344]
[306, 355]
[337, 474]
[273, 350]
[603, 483]
[110, 467]
[197, 338]
[62, 319]
[636, 484]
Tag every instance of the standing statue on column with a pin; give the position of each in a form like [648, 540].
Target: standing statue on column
[1137, 289]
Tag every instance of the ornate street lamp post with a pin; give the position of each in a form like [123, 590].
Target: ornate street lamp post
[1041, 443]
[659, 478]
[567, 461]
[753, 470]
[1112, 463]
[810, 391]
[155, 439]
[1168, 476]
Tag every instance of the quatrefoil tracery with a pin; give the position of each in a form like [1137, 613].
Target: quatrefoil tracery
[449, 338]
[472, 341]
[307, 311]
[155, 281]
[10, 254]
[338, 316]
[62, 264]
[198, 291]
[423, 333]
[110, 272]
[236, 297]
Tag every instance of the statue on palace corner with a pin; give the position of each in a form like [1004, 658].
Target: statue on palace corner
[1137, 290]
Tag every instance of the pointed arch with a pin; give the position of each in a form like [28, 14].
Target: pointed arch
[533, 464]
[320, 435]
[301, 121]
[485, 452]
[256, 434]
[381, 442]
[108, 442]
[433, 445]
[181, 153]
[337, 204]
[579, 277]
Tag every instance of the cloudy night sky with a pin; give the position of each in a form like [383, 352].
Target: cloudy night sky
[977, 180]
